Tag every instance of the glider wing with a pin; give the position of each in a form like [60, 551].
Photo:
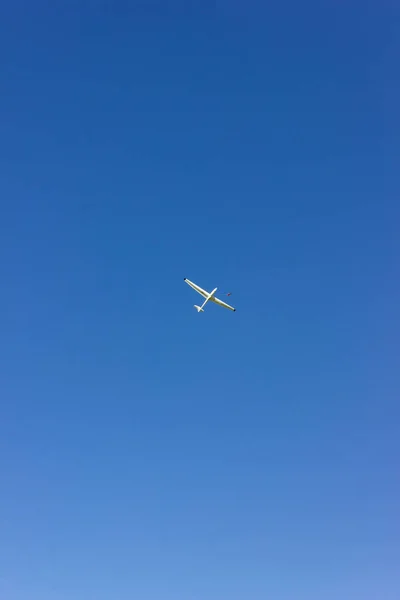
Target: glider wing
[220, 303]
[197, 288]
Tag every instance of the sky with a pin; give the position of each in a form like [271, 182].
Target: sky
[148, 451]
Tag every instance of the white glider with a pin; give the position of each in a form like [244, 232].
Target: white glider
[209, 297]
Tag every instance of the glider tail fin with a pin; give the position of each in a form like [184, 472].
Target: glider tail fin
[198, 308]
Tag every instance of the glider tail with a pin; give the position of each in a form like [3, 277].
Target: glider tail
[198, 308]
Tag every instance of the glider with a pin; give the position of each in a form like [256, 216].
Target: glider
[209, 296]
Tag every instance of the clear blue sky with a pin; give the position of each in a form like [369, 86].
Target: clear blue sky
[148, 452]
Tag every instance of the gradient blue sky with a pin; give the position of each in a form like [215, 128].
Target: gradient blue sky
[148, 452]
